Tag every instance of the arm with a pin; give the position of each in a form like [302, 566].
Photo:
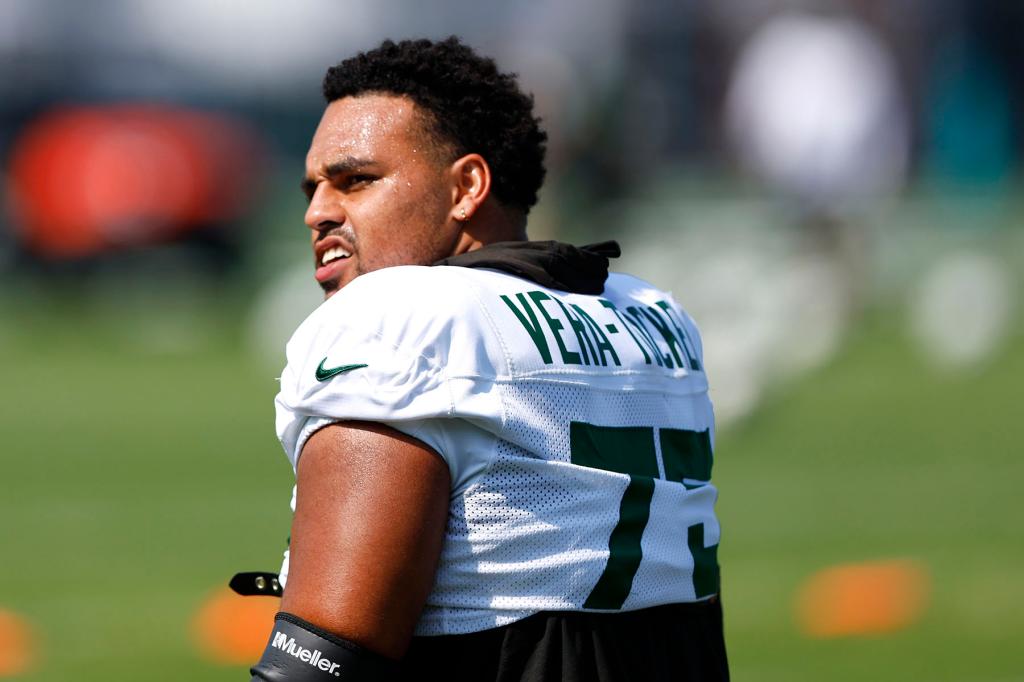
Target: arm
[370, 516]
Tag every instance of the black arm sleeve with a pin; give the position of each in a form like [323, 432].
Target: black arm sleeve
[299, 651]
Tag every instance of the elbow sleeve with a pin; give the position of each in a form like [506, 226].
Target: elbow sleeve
[299, 651]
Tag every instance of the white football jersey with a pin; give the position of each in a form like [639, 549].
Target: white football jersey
[577, 429]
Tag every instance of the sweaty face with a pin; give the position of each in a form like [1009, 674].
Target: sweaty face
[378, 194]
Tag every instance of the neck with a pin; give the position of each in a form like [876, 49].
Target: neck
[491, 223]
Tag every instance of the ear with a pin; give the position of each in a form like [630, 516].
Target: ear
[470, 187]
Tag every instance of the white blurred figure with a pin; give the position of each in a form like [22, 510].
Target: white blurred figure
[816, 112]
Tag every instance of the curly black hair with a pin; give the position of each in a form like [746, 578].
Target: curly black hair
[470, 105]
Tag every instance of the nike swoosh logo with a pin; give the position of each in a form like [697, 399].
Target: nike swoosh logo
[323, 374]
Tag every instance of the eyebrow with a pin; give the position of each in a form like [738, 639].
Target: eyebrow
[339, 167]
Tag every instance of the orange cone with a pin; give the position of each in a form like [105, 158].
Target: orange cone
[17, 645]
[232, 629]
[862, 599]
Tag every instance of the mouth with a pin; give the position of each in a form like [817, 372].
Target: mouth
[332, 257]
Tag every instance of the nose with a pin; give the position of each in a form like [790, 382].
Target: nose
[325, 210]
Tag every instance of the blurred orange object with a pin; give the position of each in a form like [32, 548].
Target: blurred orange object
[86, 179]
[233, 629]
[863, 599]
[17, 645]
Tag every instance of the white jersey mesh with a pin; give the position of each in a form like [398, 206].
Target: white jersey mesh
[479, 365]
[537, 526]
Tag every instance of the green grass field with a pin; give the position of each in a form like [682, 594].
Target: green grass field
[134, 484]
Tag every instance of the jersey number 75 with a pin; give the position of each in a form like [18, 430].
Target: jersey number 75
[634, 450]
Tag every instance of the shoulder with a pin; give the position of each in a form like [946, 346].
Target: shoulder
[389, 305]
[414, 314]
[631, 286]
[404, 288]
[622, 287]
[402, 336]
[628, 286]
[399, 279]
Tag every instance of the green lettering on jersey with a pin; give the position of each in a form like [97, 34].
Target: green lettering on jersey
[581, 335]
[634, 315]
[630, 450]
[568, 357]
[662, 327]
[604, 346]
[611, 306]
[531, 325]
[672, 315]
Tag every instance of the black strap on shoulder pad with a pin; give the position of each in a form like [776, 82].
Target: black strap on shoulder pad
[256, 583]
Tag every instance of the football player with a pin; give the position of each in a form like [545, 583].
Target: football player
[503, 452]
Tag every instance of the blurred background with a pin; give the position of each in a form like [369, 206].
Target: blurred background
[832, 189]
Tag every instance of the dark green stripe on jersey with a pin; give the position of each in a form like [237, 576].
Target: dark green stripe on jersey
[706, 579]
[624, 550]
[624, 450]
